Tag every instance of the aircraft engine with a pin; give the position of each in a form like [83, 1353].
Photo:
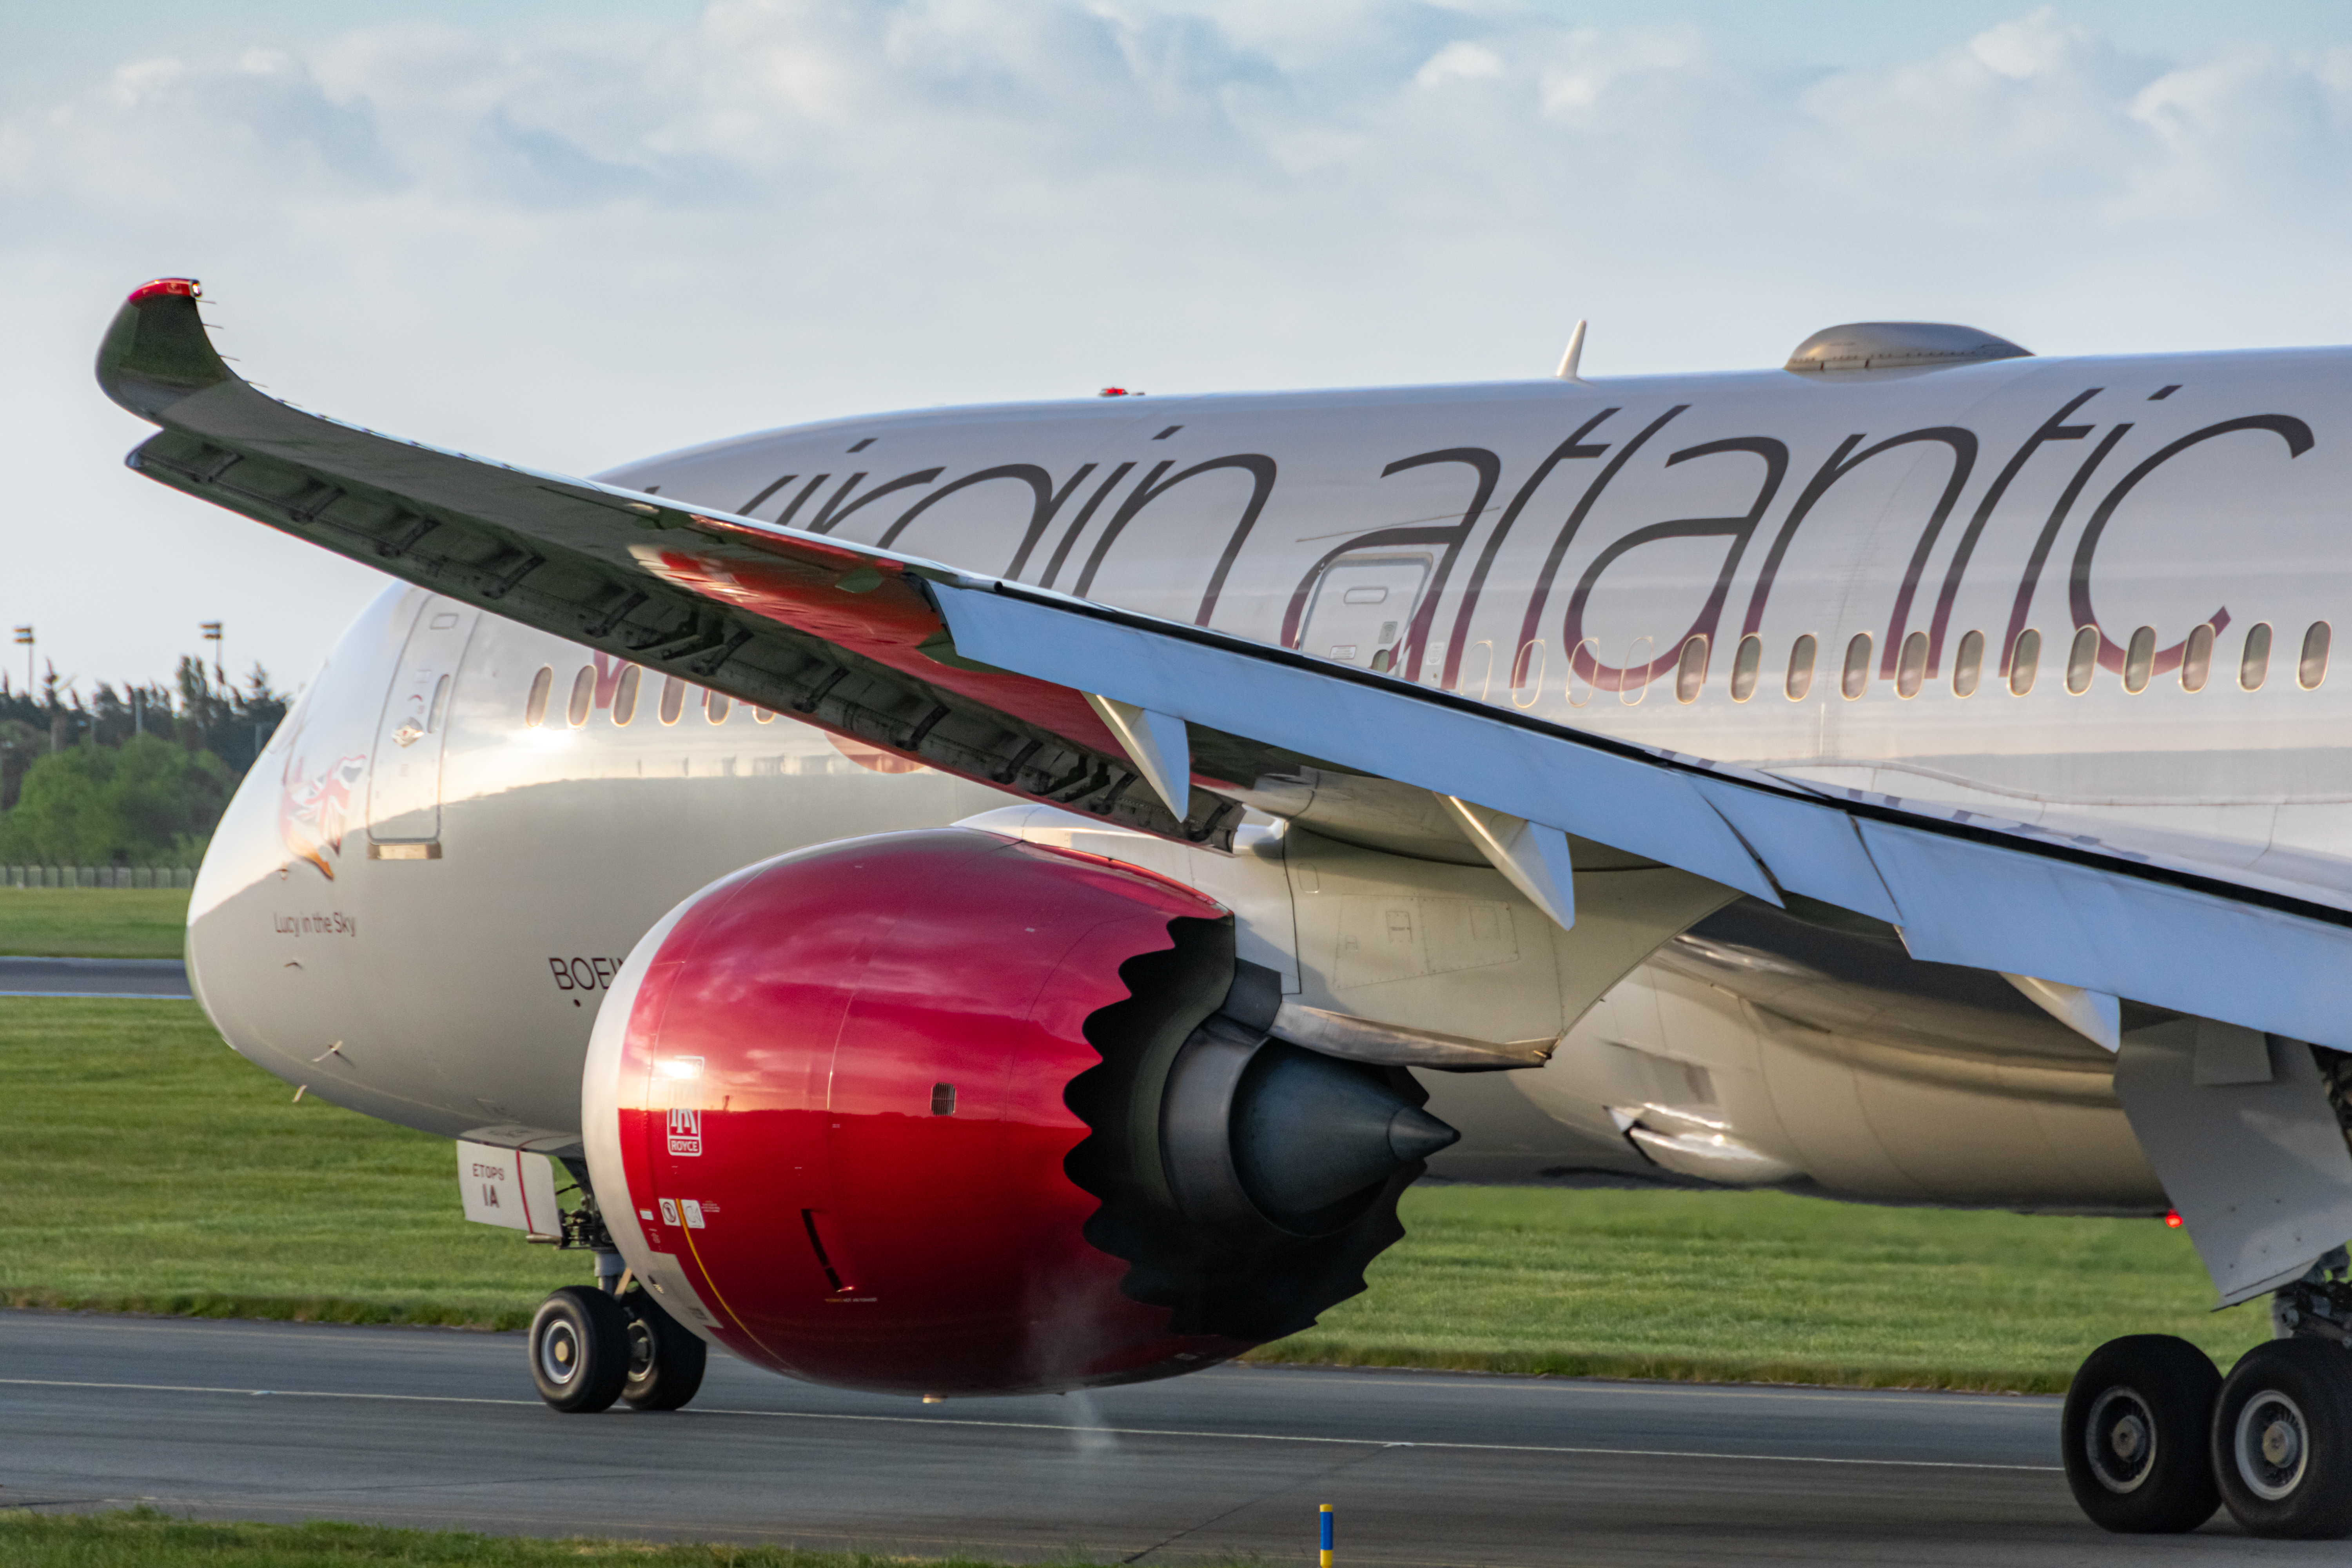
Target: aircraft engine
[943, 1112]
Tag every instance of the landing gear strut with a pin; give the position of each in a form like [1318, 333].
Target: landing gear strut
[2156, 1438]
[593, 1345]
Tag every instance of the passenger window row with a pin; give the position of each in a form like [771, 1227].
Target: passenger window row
[715, 706]
[2192, 659]
[2139, 660]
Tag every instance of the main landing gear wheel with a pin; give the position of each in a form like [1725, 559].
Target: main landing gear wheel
[666, 1361]
[579, 1350]
[2135, 1432]
[2282, 1440]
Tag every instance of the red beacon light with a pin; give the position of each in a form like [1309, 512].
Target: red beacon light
[2172, 1219]
[1117, 391]
[162, 286]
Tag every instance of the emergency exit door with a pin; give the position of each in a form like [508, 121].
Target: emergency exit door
[404, 769]
[1363, 609]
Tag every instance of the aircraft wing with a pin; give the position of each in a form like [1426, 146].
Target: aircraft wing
[1167, 728]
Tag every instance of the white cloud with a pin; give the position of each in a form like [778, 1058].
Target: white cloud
[571, 248]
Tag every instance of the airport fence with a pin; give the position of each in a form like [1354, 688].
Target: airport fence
[97, 876]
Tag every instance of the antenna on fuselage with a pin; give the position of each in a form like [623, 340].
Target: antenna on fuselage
[1568, 361]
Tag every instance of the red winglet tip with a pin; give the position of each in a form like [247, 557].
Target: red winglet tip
[187, 285]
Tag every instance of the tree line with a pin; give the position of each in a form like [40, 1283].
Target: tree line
[136, 775]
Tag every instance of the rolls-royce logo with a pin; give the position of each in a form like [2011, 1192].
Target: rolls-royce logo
[685, 1131]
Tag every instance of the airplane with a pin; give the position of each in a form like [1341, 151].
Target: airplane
[1005, 898]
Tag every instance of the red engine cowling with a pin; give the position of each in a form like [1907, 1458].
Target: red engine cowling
[944, 1112]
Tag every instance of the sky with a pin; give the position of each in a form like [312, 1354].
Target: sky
[574, 234]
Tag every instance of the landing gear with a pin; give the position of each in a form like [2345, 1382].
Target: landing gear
[2155, 1439]
[665, 1362]
[590, 1346]
[579, 1350]
[2137, 1431]
[2282, 1440]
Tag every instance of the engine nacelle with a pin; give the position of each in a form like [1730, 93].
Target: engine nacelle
[944, 1112]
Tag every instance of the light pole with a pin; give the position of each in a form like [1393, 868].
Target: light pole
[212, 630]
[25, 641]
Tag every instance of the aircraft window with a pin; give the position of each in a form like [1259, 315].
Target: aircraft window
[1856, 680]
[1690, 670]
[2255, 662]
[1968, 667]
[1745, 665]
[1911, 670]
[1800, 666]
[715, 704]
[440, 709]
[584, 695]
[1528, 675]
[2197, 657]
[2140, 659]
[1631, 691]
[1485, 652]
[534, 707]
[763, 715]
[2024, 662]
[2312, 668]
[673, 699]
[2082, 661]
[1579, 686]
[624, 696]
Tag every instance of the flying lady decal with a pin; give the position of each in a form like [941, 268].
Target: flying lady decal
[313, 807]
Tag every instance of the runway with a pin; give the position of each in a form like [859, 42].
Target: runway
[93, 977]
[432, 1426]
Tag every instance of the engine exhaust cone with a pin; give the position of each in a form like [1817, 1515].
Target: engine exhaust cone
[1415, 1135]
[1310, 1132]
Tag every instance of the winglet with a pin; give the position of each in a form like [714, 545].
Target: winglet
[156, 351]
[1159, 747]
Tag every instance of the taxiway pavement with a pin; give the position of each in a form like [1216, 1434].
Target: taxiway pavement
[93, 977]
[438, 1428]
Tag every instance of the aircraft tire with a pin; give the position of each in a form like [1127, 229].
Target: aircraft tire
[2136, 1436]
[579, 1350]
[666, 1361]
[2282, 1440]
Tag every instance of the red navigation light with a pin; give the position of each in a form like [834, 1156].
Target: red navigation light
[187, 285]
[1112, 391]
[2172, 1219]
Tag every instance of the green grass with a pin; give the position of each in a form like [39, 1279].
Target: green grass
[142, 1537]
[148, 1168]
[93, 923]
[1763, 1287]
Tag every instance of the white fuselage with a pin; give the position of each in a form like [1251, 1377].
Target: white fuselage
[419, 893]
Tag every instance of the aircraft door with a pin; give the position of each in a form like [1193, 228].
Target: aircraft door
[404, 768]
[1363, 609]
